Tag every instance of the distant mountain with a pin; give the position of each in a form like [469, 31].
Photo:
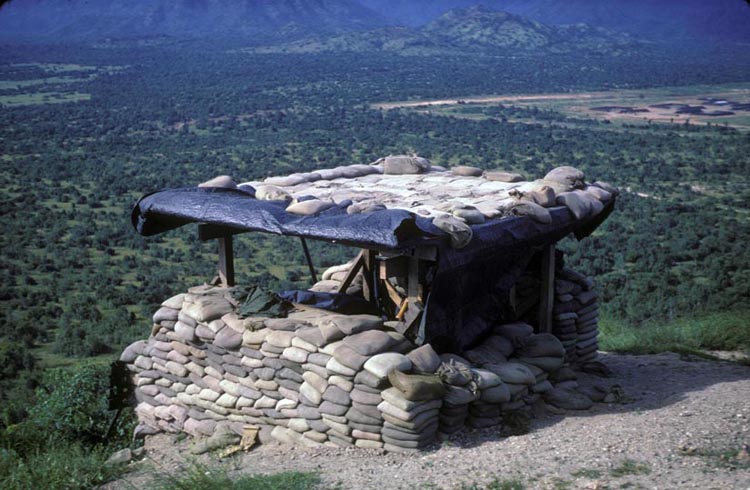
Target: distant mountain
[472, 30]
[721, 20]
[86, 20]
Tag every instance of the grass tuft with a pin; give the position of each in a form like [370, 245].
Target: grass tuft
[630, 467]
[726, 331]
[200, 477]
[496, 484]
[67, 466]
[587, 473]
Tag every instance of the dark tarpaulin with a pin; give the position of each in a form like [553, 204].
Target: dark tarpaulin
[229, 208]
[470, 291]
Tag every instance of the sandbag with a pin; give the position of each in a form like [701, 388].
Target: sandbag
[224, 181]
[566, 175]
[416, 387]
[466, 171]
[403, 164]
[309, 207]
[460, 233]
[501, 176]
[532, 210]
[271, 193]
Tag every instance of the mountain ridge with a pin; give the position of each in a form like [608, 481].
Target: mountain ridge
[82, 20]
[722, 20]
[477, 30]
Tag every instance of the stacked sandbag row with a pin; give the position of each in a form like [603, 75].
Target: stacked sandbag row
[576, 315]
[316, 377]
[331, 279]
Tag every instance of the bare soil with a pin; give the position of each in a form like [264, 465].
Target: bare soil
[680, 422]
[584, 103]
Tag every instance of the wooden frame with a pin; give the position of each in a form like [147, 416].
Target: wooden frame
[226, 261]
[547, 290]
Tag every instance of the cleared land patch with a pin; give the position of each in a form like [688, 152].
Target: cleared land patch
[697, 104]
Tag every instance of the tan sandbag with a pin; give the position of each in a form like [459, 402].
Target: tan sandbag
[404, 164]
[271, 193]
[547, 363]
[309, 208]
[531, 210]
[224, 181]
[594, 204]
[468, 213]
[365, 207]
[424, 359]
[540, 345]
[466, 171]
[580, 207]
[607, 187]
[511, 331]
[416, 387]
[567, 175]
[286, 181]
[353, 324]
[513, 372]
[460, 233]
[501, 176]
[543, 196]
[599, 193]
[329, 173]
[496, 394]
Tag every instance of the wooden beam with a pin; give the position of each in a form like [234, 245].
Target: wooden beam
[226, 261]
[368, 287]
[547, 290]
[310, 265]
[359, 261]
[414, 287]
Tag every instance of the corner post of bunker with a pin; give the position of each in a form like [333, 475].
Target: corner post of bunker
[456, 312]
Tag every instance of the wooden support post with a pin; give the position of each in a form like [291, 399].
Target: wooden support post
[413, 285]
[368, 285]
[226, 261]
[310, 265]
[414, 297]
[547, 291]
[356, 266]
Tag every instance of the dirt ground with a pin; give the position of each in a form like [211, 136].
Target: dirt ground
[583, 103]
[681, 422]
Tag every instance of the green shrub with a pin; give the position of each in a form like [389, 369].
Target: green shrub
[59, 465]
[73, 404]
[59, 443]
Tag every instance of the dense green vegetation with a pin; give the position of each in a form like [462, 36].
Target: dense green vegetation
[77, 281]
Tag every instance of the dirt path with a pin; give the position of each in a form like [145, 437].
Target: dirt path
[501, 98]
[681, 424]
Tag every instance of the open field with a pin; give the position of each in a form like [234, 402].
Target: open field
[727, 104]
[43, 98]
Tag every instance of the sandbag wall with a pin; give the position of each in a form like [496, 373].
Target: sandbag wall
[576, 315]
[321, 378]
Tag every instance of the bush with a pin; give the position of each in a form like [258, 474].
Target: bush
[60, 465]
[74, 405]
[59, 444]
